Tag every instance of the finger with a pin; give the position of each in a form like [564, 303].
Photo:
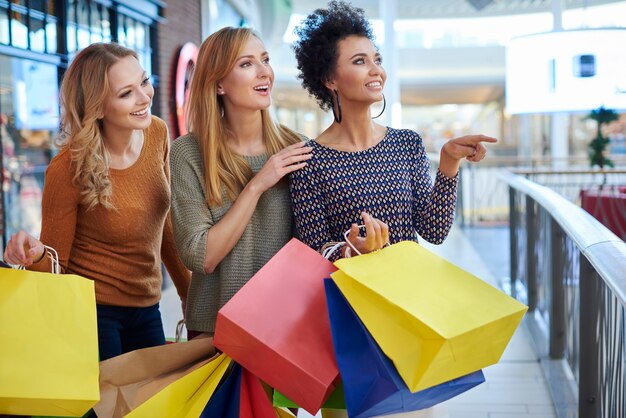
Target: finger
[297, 151]
[18, 247]
[297, 145]
[296, 159]
[353, 234]
[370, 232]
[294, 167]
[477, 139]
[378, 237]
[384, 232]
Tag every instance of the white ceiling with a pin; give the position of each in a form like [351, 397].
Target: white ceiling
[429, 77]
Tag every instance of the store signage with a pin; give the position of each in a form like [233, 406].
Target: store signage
[185, 63]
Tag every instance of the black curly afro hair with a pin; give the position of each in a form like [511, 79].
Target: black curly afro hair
[316, 47]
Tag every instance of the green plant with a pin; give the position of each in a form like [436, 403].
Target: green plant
[598, 145]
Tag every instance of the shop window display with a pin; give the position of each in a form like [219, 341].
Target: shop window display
[29, 118]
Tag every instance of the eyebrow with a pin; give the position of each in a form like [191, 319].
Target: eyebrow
[363, 54]
[144, 75]
[264, 53]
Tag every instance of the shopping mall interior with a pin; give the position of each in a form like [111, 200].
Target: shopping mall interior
[538, 218]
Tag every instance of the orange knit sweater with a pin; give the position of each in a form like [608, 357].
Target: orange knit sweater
[121, 249]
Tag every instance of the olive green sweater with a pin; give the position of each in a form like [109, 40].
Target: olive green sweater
[269, 229]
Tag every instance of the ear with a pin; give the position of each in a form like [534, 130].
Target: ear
[330, 84]
[220, 89]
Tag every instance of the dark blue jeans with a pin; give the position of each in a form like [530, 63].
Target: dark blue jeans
[122, 329]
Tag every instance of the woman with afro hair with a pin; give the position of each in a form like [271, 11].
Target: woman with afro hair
[362, 172]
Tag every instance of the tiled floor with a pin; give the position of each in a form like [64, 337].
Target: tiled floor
[515, 387]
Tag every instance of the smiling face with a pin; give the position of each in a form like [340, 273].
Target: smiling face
[359, 74]
[248, 85]
[127, 106]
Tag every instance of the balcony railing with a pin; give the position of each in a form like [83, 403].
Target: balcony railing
[573, 271]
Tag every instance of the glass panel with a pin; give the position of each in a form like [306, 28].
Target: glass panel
[37, 35]
[51, 37]
[28, 123]
[4, 27]
[42, 6]
[19, 31]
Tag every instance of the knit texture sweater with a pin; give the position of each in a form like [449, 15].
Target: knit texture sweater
[120, 249]
[269, 229]
[391, 181]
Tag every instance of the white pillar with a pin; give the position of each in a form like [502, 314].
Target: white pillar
[393, 113]
[559, 143]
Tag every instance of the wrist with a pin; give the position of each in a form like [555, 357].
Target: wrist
[41, 256]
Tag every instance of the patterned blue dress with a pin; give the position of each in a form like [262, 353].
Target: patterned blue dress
[391, 181]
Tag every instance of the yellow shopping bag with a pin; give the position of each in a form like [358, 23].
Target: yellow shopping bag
[187, 396]
[49, 344]
[434, 320]
[129, 380]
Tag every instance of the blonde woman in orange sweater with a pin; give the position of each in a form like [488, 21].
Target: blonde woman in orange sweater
[106, 198]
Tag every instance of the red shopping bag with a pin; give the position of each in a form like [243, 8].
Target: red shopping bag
[277, 326]
[255, 401]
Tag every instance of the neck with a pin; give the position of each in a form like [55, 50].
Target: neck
[119, 142]
[247, 132]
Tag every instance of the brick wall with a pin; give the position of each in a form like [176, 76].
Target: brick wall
[183, 25]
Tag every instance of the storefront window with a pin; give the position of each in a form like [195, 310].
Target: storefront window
[136, 36]
[32, 27]
[29, 119]
[88, 22]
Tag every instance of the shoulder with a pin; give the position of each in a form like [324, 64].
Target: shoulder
[60, 165]
[185, 151]
[185, 144]
[60, 171]
[405, 139]
[158, 128]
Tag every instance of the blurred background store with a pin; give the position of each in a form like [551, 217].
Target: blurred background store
[546, 77]
[447, 64]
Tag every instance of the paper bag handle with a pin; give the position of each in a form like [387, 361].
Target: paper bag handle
[52, 254]
[329, 248]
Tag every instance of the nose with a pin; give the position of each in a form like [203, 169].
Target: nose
[375, 68]
[265, 70]
[145, 95]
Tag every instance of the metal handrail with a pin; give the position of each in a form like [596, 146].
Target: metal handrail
[573, 269]
[605, 250]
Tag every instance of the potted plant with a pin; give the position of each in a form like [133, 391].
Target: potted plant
[597, 146]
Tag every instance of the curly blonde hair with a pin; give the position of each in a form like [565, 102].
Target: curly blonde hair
[84, 90]
[223, 168]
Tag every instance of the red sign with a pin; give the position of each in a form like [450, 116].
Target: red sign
[185, 63]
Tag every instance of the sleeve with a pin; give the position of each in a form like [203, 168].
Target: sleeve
[180, 275]
[433, 205]
[59, 211]
[191, 217]
[309, 209]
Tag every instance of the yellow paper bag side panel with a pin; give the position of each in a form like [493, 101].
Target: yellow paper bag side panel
[472, 351]
[186, 396]
[61, 344]
[409, 343]
[424, 284]
[45, 407]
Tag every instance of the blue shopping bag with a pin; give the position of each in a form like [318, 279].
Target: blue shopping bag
[225, 401]
[372, 385]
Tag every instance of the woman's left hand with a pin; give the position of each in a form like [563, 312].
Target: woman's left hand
[469, 147]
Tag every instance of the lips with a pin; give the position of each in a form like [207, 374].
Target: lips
[141, 112]
[263, 87]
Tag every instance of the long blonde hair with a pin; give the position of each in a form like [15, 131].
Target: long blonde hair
[84, 90]
[222, 167]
